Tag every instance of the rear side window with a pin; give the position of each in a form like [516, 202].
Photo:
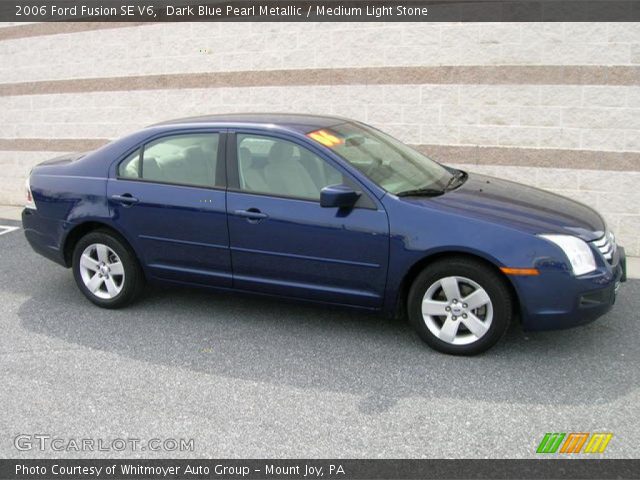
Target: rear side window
[179, 159]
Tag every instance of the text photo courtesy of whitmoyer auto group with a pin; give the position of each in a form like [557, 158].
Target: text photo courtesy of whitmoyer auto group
[319, 239]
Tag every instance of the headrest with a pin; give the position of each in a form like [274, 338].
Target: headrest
[150, 168]
[280, 151]
[149, 161]
[192, 151]
[244, 155]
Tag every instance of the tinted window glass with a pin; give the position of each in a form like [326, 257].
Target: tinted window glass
[281, 168]
[129, 168]
[385, 160]
[180, 159]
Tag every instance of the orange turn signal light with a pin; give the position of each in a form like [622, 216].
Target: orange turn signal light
[520, 271]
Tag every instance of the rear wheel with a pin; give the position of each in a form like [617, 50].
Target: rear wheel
[460, 306]
[106, 270]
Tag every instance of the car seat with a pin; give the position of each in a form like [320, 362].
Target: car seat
[251, 172]
[285, 175]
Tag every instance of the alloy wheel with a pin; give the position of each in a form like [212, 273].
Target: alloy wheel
[457, 310]
[102, 271]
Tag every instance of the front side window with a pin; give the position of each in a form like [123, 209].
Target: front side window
[388, 162]
[278, 167]
[181, 159]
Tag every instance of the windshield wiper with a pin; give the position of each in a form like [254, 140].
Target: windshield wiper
[421, 192]
[459, 175]
[434, 192]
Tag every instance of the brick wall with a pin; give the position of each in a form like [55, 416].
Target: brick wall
[555, 105]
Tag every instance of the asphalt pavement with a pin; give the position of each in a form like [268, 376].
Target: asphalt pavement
[254, 377]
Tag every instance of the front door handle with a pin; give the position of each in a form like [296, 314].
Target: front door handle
[251, 214]
[126, 199]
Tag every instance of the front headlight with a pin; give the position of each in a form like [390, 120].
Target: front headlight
[577, 251]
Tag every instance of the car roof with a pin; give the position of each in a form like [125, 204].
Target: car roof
[293, 121]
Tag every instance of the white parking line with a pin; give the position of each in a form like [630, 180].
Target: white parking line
[6, 229]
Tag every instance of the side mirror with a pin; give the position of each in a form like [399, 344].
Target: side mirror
[340, 196]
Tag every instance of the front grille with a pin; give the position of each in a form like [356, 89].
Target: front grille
[607, 246]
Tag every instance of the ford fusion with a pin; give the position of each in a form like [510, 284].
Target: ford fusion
[322, 209]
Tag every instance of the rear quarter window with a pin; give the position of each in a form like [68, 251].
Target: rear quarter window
[130, 166]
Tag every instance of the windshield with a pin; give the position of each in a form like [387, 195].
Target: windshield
[388, 162]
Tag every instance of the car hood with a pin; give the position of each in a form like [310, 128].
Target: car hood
[519, 206]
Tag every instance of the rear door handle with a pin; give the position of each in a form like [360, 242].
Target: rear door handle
[125, 199]
[251, 214]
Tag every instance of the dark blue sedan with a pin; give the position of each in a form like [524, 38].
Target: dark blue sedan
[322, 209]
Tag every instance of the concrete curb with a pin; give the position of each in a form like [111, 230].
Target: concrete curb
[10, 212]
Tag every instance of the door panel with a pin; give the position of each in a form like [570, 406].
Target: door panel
[180, 232]
[294, 247]
[302, 249]
[169, 199]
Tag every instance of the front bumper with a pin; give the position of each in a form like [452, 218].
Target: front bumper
[557, 300]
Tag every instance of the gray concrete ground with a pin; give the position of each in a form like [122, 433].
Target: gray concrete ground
[255, 377]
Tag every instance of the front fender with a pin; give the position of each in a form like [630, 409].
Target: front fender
[420, 232]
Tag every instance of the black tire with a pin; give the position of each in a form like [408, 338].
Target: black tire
[491, 281]
[133, 280]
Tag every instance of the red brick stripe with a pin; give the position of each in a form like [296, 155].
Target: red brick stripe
[467, 75]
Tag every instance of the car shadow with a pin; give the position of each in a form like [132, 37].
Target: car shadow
[348, 351]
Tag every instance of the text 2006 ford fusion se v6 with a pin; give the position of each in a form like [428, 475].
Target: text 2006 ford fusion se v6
[322, 209]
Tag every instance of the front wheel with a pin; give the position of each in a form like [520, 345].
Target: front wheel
[106, 270]
[460, 306]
